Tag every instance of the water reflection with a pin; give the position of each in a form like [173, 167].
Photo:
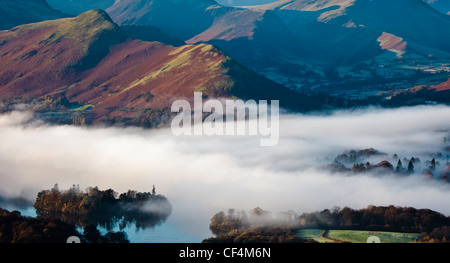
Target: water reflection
[141, 216]
[168, 231]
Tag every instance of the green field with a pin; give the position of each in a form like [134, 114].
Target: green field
[315, 234]
[355, 236]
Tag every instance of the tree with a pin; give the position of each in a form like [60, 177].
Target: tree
[433, 164]
[55, 188]
[335, 210]
[410, 167]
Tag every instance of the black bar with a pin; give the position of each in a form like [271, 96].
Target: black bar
[173, 253]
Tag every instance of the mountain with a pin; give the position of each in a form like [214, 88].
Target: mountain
[88, 65]
[347, 31]
[179, 18]
[309, 44]
[441, 5]
[13, 12]
[245, 34]
[326, 28]
[76, 7]
[151, 33]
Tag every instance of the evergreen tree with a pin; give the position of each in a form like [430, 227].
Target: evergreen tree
[433, 164]
[411, 166]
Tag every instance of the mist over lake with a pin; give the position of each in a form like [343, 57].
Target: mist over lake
[203, 175]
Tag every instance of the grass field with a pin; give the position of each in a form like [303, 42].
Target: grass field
[355, 236]
[315, 234]
[362, 236]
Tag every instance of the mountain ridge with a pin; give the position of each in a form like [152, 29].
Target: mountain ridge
[14, 13]
[88, 64]
[442, 6]
[181, 19]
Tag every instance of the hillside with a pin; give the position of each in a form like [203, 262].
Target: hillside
[86, 65]
[324, 28]
[179, 18]
[323, 45]
[13, 12]
[334, 26]
[442, 6]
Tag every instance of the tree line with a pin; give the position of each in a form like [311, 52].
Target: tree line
[387, 218]
[15, 228]
[102, 207]
[257, 224]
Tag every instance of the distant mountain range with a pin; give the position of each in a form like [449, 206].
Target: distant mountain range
[76, 7]
[441, 5]
[294, 41]
[128, 64]
[14, 13]
[89, 65]
[180, 18]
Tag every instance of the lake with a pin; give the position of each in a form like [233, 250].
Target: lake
[169, 231]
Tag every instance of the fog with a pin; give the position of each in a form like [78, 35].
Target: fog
[203, 175]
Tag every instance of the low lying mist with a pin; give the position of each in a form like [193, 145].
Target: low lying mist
[203, 175]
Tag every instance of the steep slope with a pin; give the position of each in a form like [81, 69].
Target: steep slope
[347, 31]
[328, 9]
[441, 5]
[51, 54]
[323, 32]
[86, 64]
[257, 38]
[419, 95]
[243, 33]
[182, 19]
[76, 7]
[14, 13]
[311, 45]
[317, 42]
[442, 87]
[412, 20]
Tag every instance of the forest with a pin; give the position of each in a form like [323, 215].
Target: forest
[105, 208]
[60, 214]
[436, 165]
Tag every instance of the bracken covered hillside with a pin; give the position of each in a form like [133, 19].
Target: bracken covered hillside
[88, 63]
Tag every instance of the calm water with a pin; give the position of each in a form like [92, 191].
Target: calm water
[166, 232]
